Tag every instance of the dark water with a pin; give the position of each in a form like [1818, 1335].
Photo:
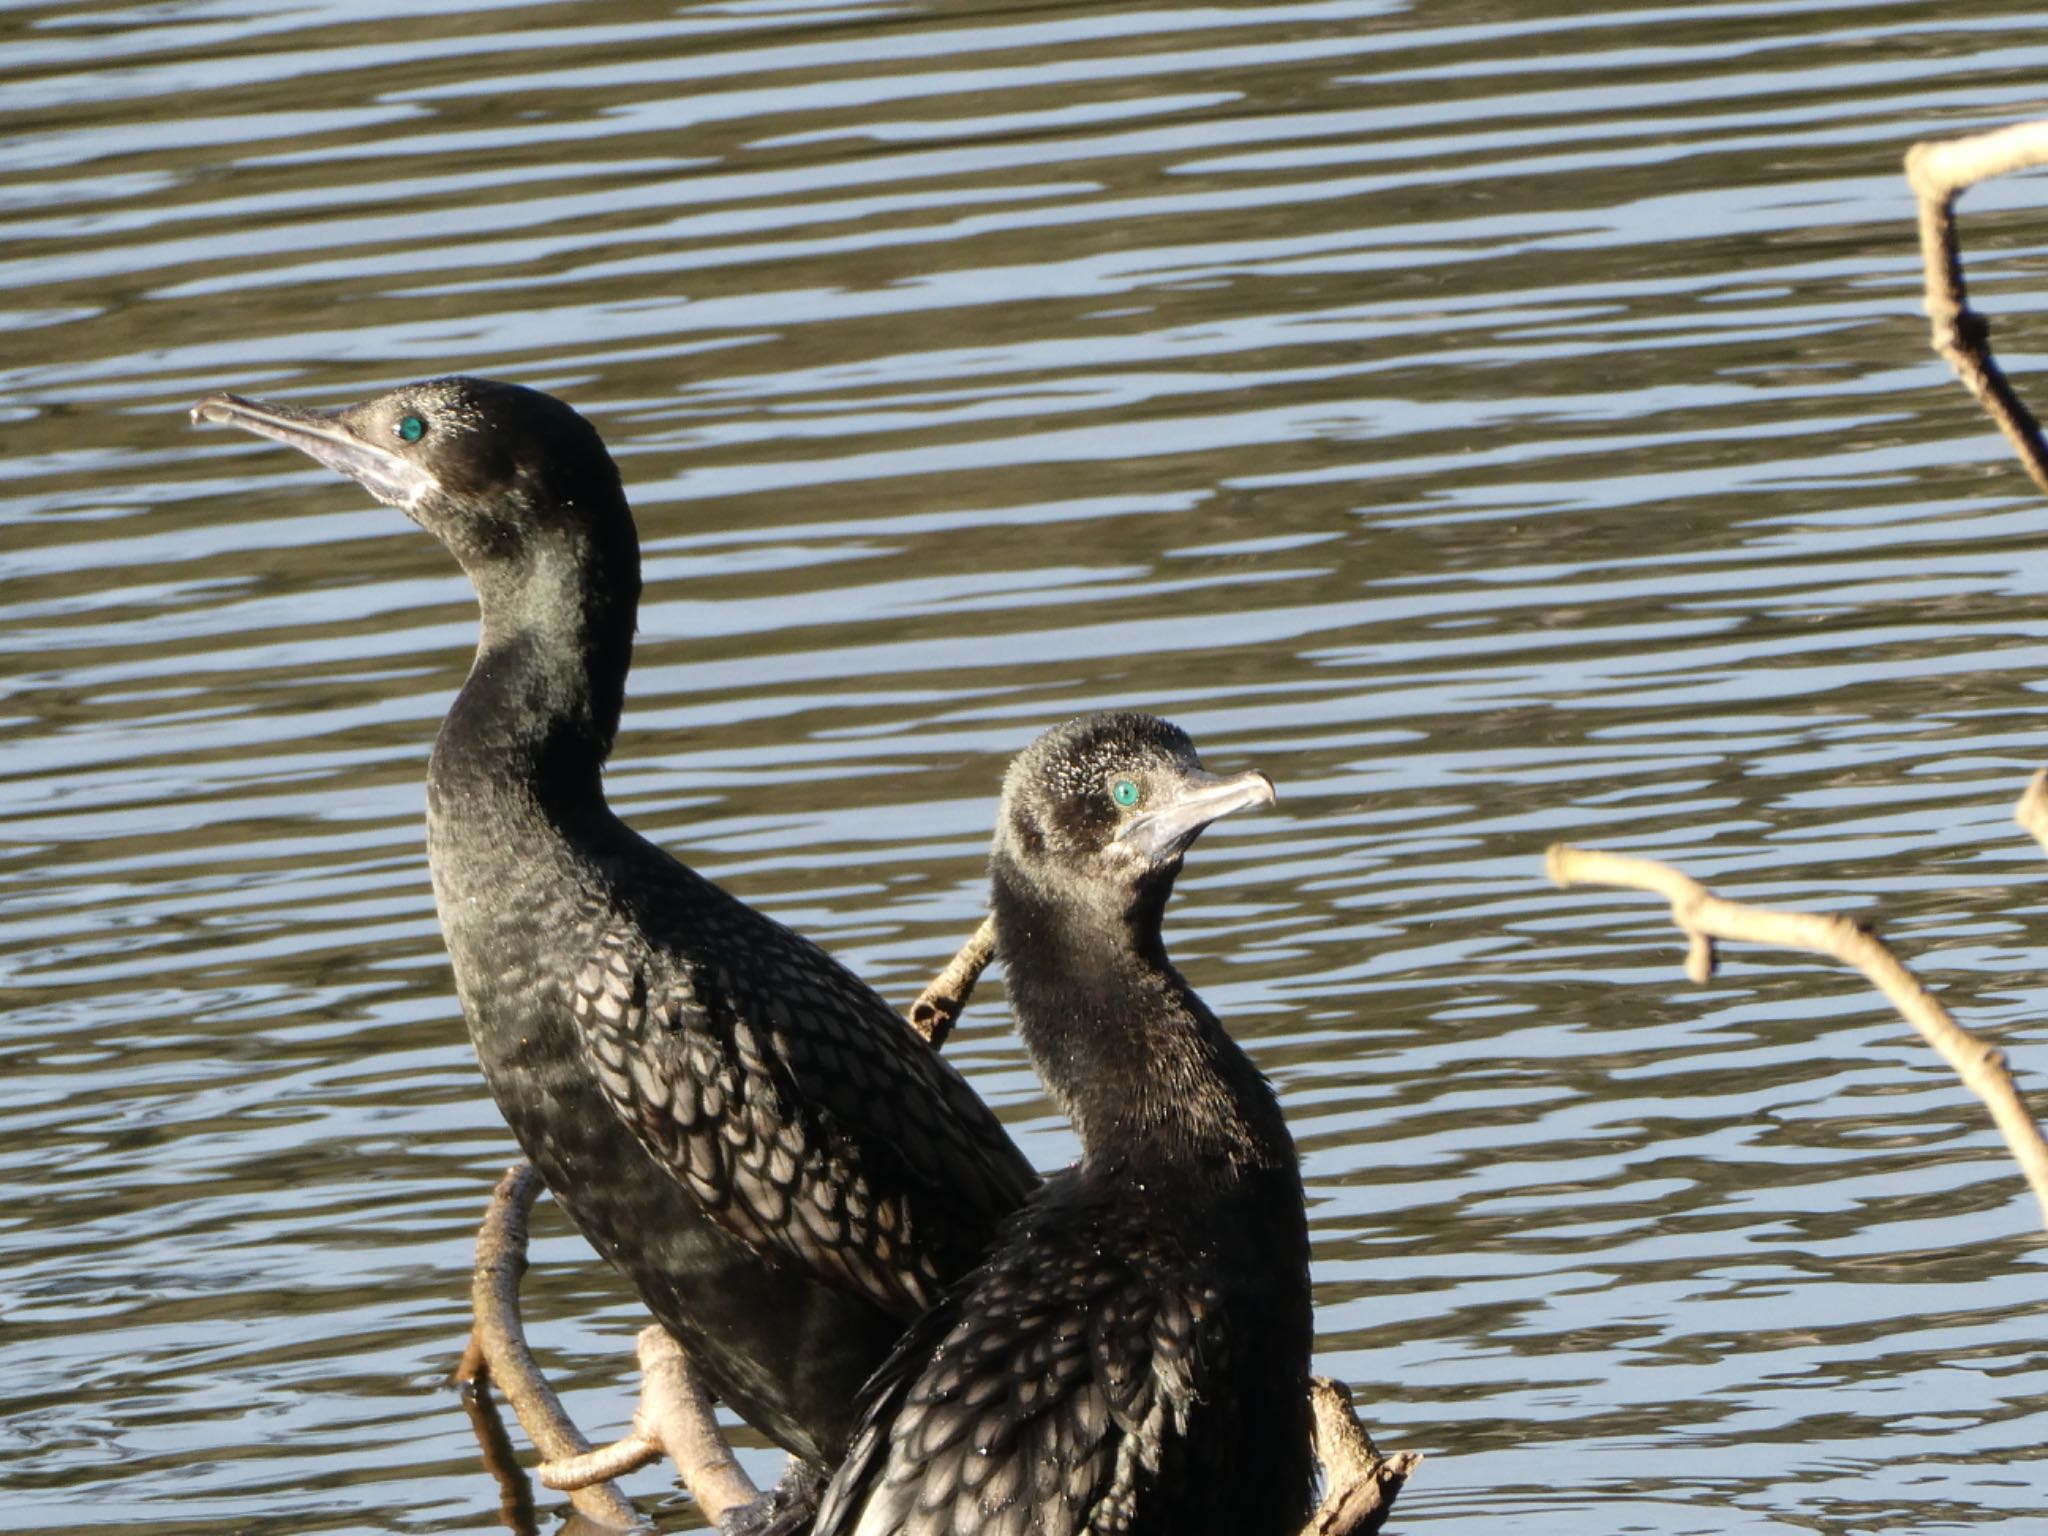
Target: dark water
[1497, 427]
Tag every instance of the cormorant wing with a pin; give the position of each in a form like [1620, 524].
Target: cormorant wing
[791, 1100]
[1041, 1398]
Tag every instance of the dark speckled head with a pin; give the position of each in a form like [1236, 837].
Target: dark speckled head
[486, 467]
[1096, 817]
[522, 492]
[1117, 795]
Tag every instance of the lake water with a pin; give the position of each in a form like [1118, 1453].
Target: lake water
[1497, 427]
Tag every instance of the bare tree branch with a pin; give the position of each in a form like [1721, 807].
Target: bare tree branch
[498, 1344]
[629, 1453]
[1360, 1484]
[939, 1006]
[1704, 917]
[676, 1419]
[1938, 170]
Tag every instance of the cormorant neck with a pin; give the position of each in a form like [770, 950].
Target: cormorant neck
[1149, 1077]
[541, 706]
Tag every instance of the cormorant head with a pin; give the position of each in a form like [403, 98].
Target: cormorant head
[500, 473]
[1110, 802]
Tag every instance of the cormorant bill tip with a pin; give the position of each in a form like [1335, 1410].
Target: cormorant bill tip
[387, 474]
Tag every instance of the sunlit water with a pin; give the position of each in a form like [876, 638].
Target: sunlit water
[1499, 429]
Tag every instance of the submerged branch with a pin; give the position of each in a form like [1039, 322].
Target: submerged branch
[1704, 917]
[500, 1457]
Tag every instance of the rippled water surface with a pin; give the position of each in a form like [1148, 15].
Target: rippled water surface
[1498, 427]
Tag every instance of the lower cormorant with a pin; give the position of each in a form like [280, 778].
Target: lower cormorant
[743, 1127]
[1134, 1355]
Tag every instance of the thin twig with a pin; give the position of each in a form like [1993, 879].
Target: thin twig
[938, 1007]
[629, 1453]
[1704, 917]
[1360, 1484]
[1938, 170]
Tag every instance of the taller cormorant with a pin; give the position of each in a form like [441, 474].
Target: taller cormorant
[743, 1127]
[1133, 1358]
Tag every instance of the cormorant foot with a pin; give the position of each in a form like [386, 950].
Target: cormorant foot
[787, 1509]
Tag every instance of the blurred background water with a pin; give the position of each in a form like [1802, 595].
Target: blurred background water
[1498, 427]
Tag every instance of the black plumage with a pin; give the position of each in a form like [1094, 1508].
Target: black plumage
[785, 1172]
[1134, 1356]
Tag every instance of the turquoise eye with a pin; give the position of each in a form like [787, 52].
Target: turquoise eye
[1124, 792]
[412, 428]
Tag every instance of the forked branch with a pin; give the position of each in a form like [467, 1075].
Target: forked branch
[1704, 918]
[497, 1345]
[1938, 171]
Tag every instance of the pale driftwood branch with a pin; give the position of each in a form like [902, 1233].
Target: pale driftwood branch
[1938, 170]
[939, 1006]
[498, 1343]
[675, 1419]
[629, 1453]
[1359, 1484]
[677, 1411]
[1704, 917]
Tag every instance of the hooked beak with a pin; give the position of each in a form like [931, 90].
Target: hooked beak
[1164, 831]
[324, 435]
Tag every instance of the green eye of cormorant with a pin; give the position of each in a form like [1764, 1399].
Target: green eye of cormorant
[412, 428]
[1124, 792]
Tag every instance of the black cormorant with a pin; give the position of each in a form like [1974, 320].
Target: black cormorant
[785, 1172]
[1134, 1355]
